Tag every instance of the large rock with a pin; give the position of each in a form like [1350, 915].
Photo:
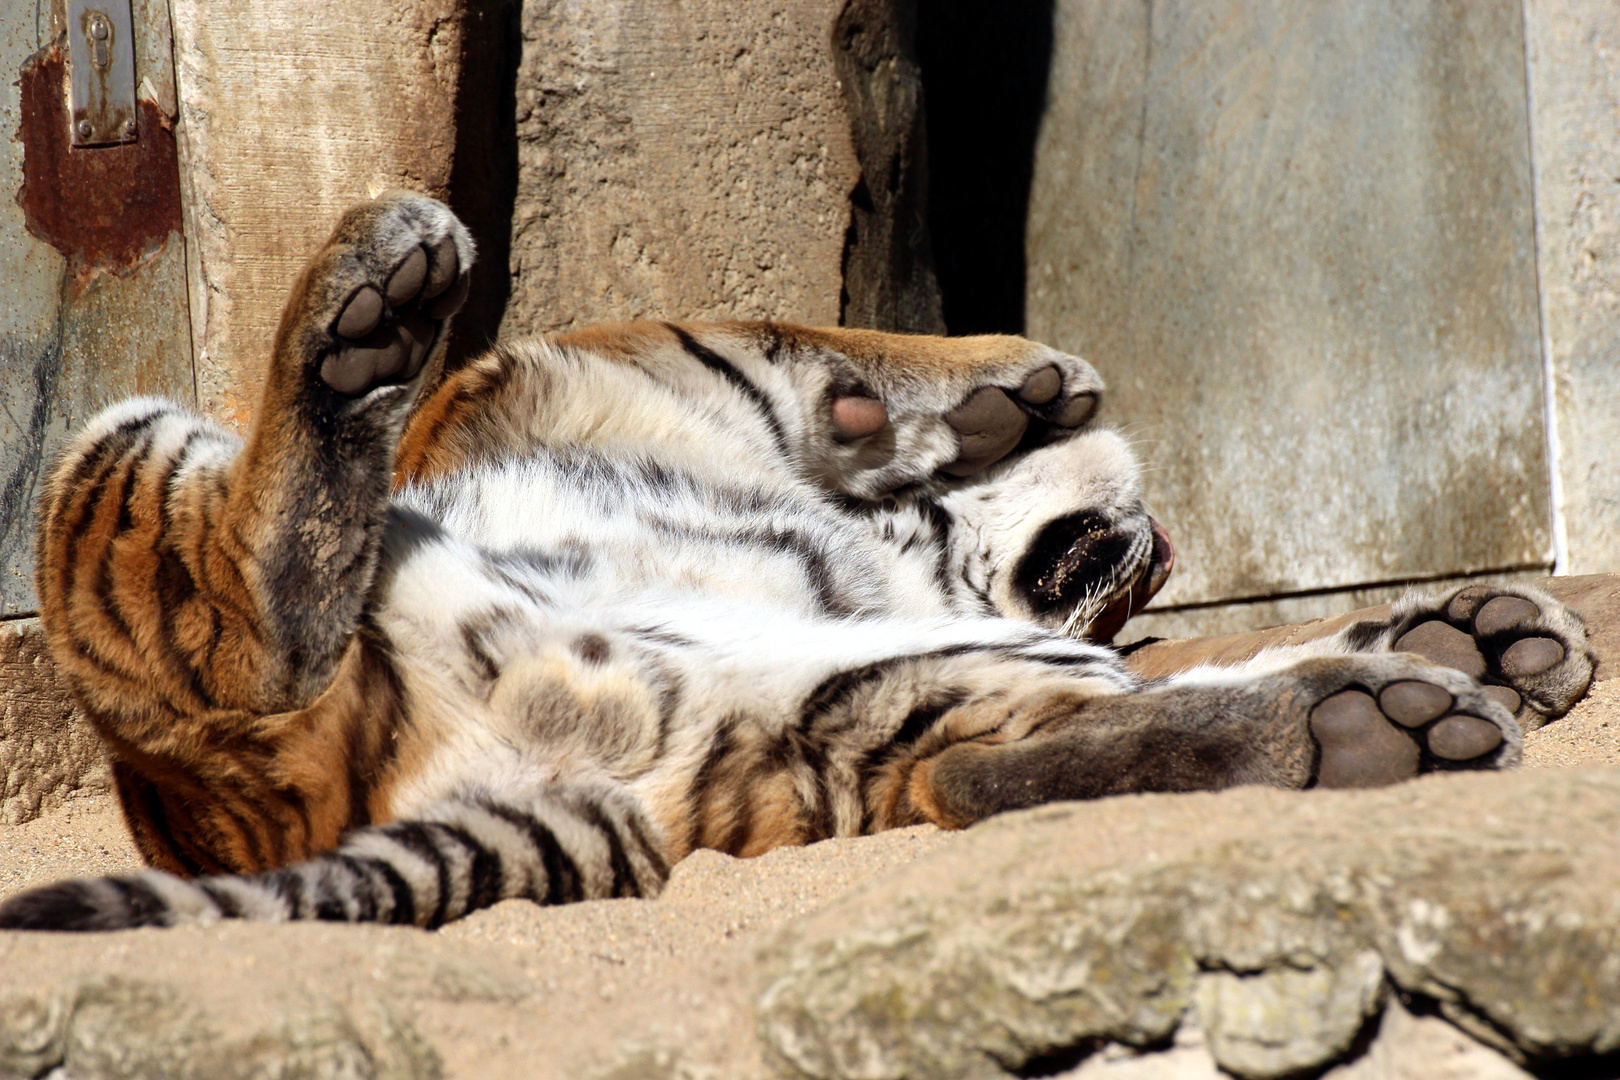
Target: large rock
[1147, 938]
[1279, 921]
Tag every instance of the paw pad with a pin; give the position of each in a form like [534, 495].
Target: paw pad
[990, 425]
[857, 417]
[1369, 741]
[1359, 746]
[1413, 704]
[1530, 656]
[386, 328]
[1463, 738]
[1500, 638]
[406, 281]
[1042, 386]
[991, 422]
[1503, 613]
[1439, 643]
[361, 314]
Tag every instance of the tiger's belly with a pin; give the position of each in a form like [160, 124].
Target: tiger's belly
[549, 623]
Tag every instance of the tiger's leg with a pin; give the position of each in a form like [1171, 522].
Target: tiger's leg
[1342, 721]
[243, 572]
[859, 412]
[200, 593]
[951, 721]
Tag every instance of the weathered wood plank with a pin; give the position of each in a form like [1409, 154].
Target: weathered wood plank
[286, 121]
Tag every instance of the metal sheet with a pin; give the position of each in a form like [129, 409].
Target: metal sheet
[1298, 241]
[101, 49]
[92, 313]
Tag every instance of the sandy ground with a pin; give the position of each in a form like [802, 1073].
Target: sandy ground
[579, 963]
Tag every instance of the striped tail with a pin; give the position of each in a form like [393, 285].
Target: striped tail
[565, 843]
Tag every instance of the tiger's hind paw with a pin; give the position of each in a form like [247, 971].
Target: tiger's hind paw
[1408, 727]
[372, 306]
[1530, 651]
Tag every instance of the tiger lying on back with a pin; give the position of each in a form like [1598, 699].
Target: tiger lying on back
[603, 598]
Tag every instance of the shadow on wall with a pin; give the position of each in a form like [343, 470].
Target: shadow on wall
[984, 74]
[484, 172]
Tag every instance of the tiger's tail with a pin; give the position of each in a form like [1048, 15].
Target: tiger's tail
[561, 844]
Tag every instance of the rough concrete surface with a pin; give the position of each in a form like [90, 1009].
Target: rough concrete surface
[47, 753]
[680, 161]
[1457, 926]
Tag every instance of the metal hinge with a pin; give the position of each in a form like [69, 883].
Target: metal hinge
[101, 61]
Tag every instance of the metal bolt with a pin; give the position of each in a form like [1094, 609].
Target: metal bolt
[130, 129]
[84, 129]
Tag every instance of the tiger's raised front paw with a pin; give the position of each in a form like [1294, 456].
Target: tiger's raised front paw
[1026, 396]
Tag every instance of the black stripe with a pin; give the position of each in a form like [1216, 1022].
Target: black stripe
[108, 450]
[670, 686]
[329, 896]
[837, 688]
[142, 905]
[812, 559]
[662, 636]
[727, 370]
[221, 898]
[417, 838]
[921, 718]
[774, 341]
[365, 888]
[703, 780]
[486, 876]
[287, 885]
[563, 882]
[403, 910]
[651, 850]
[624, 876]
[940, 522]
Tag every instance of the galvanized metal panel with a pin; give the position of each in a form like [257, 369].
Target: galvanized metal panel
[1297, 239]
[92, 263]
[1575, 94]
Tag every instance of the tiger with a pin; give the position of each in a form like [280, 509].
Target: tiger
[424, 640]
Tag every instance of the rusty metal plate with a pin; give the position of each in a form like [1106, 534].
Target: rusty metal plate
[101, 55]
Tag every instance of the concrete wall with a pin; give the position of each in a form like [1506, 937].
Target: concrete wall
[1301, 243]
[717, 160]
